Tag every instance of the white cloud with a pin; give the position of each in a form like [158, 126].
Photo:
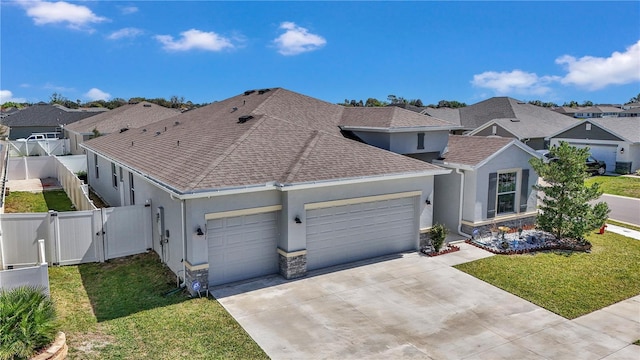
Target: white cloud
[125, 33]
[128, 10]
[195, 39]
[516, 81]
[97, 94]
[7, 96]
[75, 16]
[595, 73]
[297, 40]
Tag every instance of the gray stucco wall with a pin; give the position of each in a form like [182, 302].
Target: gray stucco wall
[446, 200]
[377, 139]
[407, 143]
[512, 158]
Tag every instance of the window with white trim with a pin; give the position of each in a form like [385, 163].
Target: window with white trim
[95, 161]
[507, 192]
[114, 173]
[132, 191]
[420, 141]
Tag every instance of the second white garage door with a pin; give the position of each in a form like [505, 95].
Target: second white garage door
[606, 153]
[242, 247]
[346, 233]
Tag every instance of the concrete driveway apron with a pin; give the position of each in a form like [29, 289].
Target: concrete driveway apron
[409, 306]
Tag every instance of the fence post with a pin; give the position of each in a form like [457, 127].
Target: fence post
[43, 257]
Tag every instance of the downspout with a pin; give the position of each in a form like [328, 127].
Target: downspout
[184, 243]
[461, 203]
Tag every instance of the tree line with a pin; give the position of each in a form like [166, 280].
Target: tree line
[175, 102]
[395, 100]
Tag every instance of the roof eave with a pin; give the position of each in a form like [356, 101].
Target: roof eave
[359, 180]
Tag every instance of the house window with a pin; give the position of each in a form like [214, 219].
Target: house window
[421, 141]
[132, 192]
[95, 160]
[494, 129]
[588, 126]
[507, 187]
[114, 173]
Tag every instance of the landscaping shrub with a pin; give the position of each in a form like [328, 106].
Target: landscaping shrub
[437, 234]
[27, 322]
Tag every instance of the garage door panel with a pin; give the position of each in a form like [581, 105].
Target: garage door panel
[606, 153]
[348, 233]
[242, 247]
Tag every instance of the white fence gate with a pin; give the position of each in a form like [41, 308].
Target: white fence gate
[75, 237]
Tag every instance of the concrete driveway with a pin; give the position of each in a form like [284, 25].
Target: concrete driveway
[408, 306]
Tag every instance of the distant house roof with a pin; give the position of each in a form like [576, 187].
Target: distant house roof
[474, 151]
[444, 113]
[126, 116]
[634, 110]
[627, 128]
[389, 117]
[42, 114]
[523, 120]
[272, 137]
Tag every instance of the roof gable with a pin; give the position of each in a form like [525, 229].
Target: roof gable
[474, 151]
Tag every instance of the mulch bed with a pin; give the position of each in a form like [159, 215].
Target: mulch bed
[446, 250]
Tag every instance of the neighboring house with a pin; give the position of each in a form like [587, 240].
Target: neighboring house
[616, 141]
[491, 183]
[398, 130]
[631, 112]
[511, 118]
[267, 182]
[598, 111]
[41, 118]
[119, 119]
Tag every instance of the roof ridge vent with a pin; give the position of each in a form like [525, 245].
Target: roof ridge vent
[244, 118]
[262, 91]
[146, 105]
[249, 92]
[515, 120]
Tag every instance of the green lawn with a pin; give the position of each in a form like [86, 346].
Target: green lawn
[617, 185]
[27, 202]
[118, 310]
[568, 284]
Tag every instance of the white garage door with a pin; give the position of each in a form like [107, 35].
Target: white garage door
[242, 247]
[346, 233]
[606, 153]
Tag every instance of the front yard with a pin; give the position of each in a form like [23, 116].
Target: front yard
[118, 310]
[568, 284]
[617, 185]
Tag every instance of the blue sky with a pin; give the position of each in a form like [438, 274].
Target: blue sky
[207, 51]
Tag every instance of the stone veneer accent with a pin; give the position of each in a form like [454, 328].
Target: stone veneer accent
[425, 239]
[485, 227]
[195, 273]
[293, 264]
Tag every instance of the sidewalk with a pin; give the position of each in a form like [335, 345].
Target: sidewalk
[634, 234]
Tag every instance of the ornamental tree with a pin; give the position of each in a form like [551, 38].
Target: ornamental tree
[565, 207]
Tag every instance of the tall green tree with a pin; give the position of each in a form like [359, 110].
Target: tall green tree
[566, 211]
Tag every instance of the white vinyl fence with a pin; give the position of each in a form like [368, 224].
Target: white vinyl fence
[75, 237]
[39, 148]
[37, 275]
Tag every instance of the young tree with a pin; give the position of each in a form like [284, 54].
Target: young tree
[565, 210]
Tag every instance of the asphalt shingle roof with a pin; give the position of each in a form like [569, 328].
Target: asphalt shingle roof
[290, 139]
[126, 116]
[521, 119]
[627, 127]
[472, 150]
[48, 115]
[388, 117]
